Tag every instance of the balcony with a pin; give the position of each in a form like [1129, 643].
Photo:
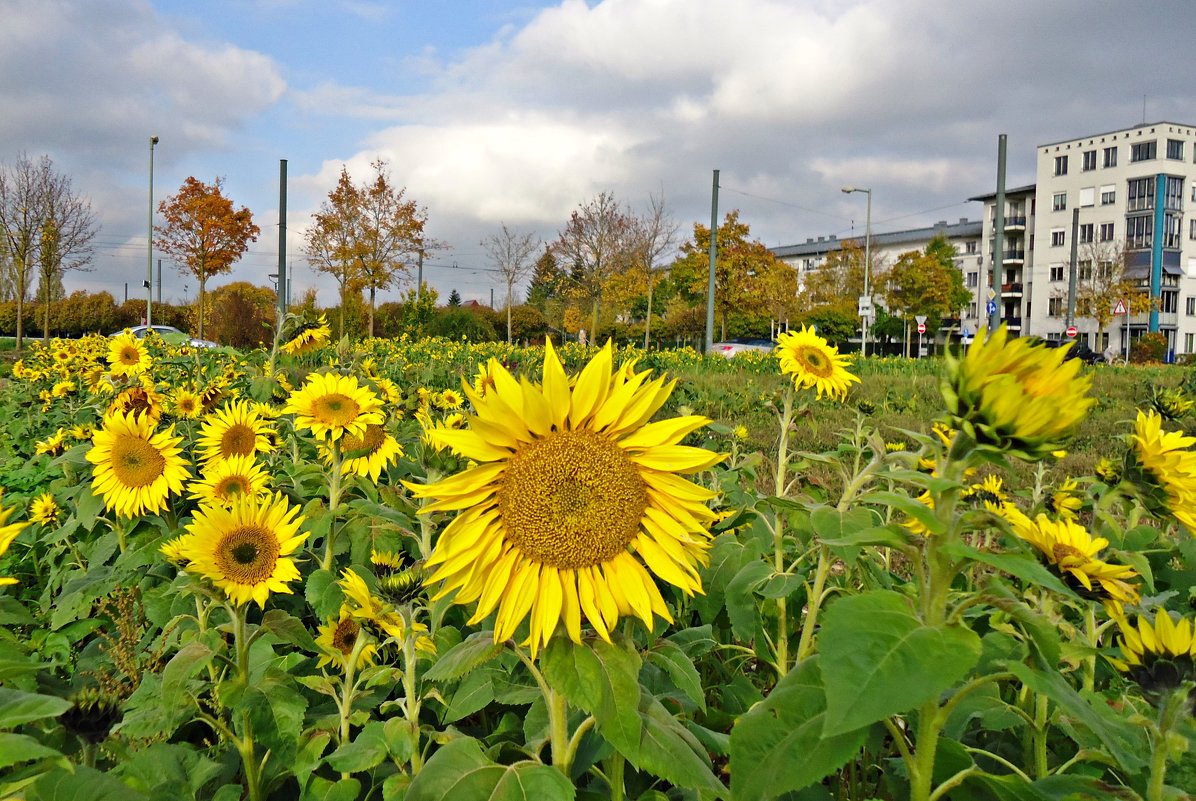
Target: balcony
[1017, 221]
[1012, 289]
[1011, 256]
[1012, 323]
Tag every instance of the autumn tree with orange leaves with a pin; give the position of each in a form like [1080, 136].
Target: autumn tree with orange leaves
[203, 233]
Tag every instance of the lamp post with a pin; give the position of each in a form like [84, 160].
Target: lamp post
[866, 298]
[149, 251]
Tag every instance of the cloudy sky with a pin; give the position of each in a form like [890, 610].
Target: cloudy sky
[501, 111]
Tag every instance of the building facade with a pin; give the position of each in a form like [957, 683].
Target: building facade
[1112, 203]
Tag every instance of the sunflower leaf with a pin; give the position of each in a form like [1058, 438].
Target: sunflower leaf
[600, 678]
[789, 721]
[680, 668]
[461, 771]
[471, 653]
[17, 707]
[741, 599]
[886, 660]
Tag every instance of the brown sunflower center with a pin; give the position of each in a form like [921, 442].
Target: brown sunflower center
[816, 362]
[368, 443]
[238, 440]
[572, 499]
[188, 404]
[231, 487]
[135, 462]
[335, 409]
[247, 554]
[1061, 552]
[344, 636]
[130, 356]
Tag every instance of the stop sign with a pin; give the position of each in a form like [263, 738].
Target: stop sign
[1071, 332]
[921, 328]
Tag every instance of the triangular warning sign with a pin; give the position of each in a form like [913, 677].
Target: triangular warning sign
[1119, 308]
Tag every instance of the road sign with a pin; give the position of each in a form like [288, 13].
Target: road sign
[921, 328]
[865, 306]
[1119, 309]
[920, 318]
[1071, 332]
[992, 293]
[991, 307]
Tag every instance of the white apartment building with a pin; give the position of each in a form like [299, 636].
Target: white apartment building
[1129, 187]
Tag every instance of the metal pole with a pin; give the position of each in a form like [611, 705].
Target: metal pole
[994, 317]
[709, 344]
[1071, 272]
[867, 274]
[419, 273]
[159, 282]
[149, 252]
[283, 279]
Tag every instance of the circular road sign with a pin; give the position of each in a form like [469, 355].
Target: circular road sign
[921, 328]
[1071, 332]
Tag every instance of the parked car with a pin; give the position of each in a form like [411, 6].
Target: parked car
[170, 334]
[734, 346]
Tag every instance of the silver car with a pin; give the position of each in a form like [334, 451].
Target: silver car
[732, 347]
[169, 334]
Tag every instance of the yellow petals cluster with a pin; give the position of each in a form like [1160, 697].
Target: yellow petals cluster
[1162, 468]
[331, 406]
[136, 467]
[812, 362]
[1075, 554]
[1013, 395]
[574, 502]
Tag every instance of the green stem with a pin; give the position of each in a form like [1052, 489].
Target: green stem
[1089, 676]
[614, 775]
[1041, 771]
[814, 597]
[558, 730]
[241, 642]
[1172, 707]
[778, 534]
[252, 768]
[925, 748]
[334, 496]
[411, 704]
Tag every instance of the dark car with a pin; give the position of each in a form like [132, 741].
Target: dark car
[1079, 350]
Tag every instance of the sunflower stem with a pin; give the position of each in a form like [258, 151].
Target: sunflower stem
[1041, 769]
[614, 775]
[814, 597]
[558, 730]
[785, 418]
[1174, 704]
[411, 704]
[349, 688]
[334, 497]
[1089, 677]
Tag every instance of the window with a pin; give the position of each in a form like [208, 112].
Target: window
[1056, 272]
[1060, 165]
[1108, 195]
[1090, 160]
[1173, 193]
[1058, 238]
[1175, 149]
[1188, 340]
[1087, 196]
[1141, 193]
[1086, 232]
[1059, 201]
[1106, 232]
[1190, 307]
[1192, 229]
[970, 247]
[1111, 156]
[1055, 307]
[1143, 151]
[1139, 232]
[971, 281]
[1171, 231]
[1084, 270]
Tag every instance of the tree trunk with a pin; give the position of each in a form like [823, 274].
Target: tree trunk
[372, 294]
[648, 319]
[203, 281]
[508, 312]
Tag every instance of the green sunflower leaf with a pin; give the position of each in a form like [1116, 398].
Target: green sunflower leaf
[886, 661]
[17, 707]
[602, 679]
[466, 656]
[680, 668]
[461, 771]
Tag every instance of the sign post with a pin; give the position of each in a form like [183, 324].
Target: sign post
[921, 318]
[1120, 310]
[1071, 332]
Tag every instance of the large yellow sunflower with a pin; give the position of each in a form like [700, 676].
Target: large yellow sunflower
[331, 406]
[245, 549]
[136, 467]
[8, 533]
[574, 503]
[237, 429]
[1163, 469]
[368, 454]
[127, 355]
[1012, 395]
[813, 362]
[1074, 553]
[224, 481]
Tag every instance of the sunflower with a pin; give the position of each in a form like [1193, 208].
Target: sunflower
[1161, 656]
[141, 400]
[989, 493]
[376, 613]
[237, 429]
[574, 502]
[246, 549]
[1064, 501]
[224, 481]
[368, 454]
[338, 637]
[1163, 469]
[1014, 396]
[331, 406]
[127, 355]
[448, 400]
[8, 533]
[44, 510]
[1170, 402]
[813, 362]
[1073, 553]
[136, 467]
[308, 338]
[63, 388]
[52, 445]
[186, 404]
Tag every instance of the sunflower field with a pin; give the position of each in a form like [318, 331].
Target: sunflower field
[425, 570]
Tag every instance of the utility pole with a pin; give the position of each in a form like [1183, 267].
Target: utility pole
[1071, 270]
[283, 279]
[994, 289]
[709, 345]
[149, 254]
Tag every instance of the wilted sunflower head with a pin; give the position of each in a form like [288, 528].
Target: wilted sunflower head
[812, 362]
[1015, 396]
[1172, 403]
[92, 715]
[1159, 656]
[1161, 468]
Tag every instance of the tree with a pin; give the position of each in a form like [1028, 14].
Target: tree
[203, 233]
[655, 234]
[838, 283]
[925, 283]
[1103, 277]
[596, 243]
[454, 298]
[42, 223]
[746, 273]
[511, 252]
[364, 236]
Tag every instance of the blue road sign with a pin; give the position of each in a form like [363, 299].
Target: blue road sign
[991, 307]
[966, 332]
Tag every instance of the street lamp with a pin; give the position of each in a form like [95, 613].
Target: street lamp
[149, 255]
[866, 298]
